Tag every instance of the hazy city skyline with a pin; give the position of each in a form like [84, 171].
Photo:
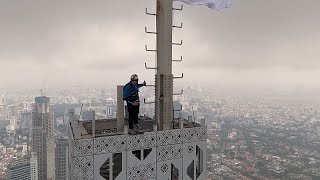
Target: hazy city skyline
[99, 43]
[249, 106]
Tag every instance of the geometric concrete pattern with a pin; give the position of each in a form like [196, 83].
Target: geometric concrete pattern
[152, 155]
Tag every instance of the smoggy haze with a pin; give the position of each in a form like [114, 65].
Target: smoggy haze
[101, 42]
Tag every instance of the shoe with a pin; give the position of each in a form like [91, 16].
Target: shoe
[131, 131]
[137, 126]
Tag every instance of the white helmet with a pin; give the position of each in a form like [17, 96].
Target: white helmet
[134, 77]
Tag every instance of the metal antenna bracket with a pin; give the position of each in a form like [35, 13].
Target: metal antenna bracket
[174, 26]
[145, 65]
[153, 50]
[178, 43]
[178, 60]
[178, 9]
[177, 77]
[180, 93]
[149, 32]
[152, 14]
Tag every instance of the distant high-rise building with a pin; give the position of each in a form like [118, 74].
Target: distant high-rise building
[2, 100]
[177, 107]
[103, 93]
[13, 123]
[25, 169]
[61, 158]
[34, 166]
[26, 121]
[19, 169]
[43, 143]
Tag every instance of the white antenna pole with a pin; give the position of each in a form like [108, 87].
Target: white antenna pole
[164, 77]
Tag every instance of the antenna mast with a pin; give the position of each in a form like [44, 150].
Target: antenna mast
[164, 78]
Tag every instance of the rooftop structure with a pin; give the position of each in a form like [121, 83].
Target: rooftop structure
[175, 154]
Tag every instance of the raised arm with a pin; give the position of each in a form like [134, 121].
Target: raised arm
[143, 84]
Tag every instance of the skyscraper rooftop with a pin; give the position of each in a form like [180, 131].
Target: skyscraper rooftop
[42, 99]
[99, 149]
[108, 127]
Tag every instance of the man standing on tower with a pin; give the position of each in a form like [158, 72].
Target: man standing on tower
[131, 96]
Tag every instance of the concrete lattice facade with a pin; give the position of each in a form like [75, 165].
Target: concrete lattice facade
[172, 154]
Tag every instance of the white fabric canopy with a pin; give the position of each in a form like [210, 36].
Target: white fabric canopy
[212, 4]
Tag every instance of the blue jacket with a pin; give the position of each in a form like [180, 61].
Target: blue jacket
[131, 92]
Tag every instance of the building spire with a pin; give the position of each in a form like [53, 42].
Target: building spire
[164, 77]
[164, 112]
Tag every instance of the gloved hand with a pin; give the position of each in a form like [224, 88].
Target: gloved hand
[144, 83]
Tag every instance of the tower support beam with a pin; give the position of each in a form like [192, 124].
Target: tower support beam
[164, 77]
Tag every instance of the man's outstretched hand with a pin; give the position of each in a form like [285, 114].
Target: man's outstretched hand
[144, 83]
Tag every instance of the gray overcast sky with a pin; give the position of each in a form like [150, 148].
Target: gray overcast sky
[101, 42]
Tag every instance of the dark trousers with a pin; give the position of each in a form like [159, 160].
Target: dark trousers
[133, 115]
